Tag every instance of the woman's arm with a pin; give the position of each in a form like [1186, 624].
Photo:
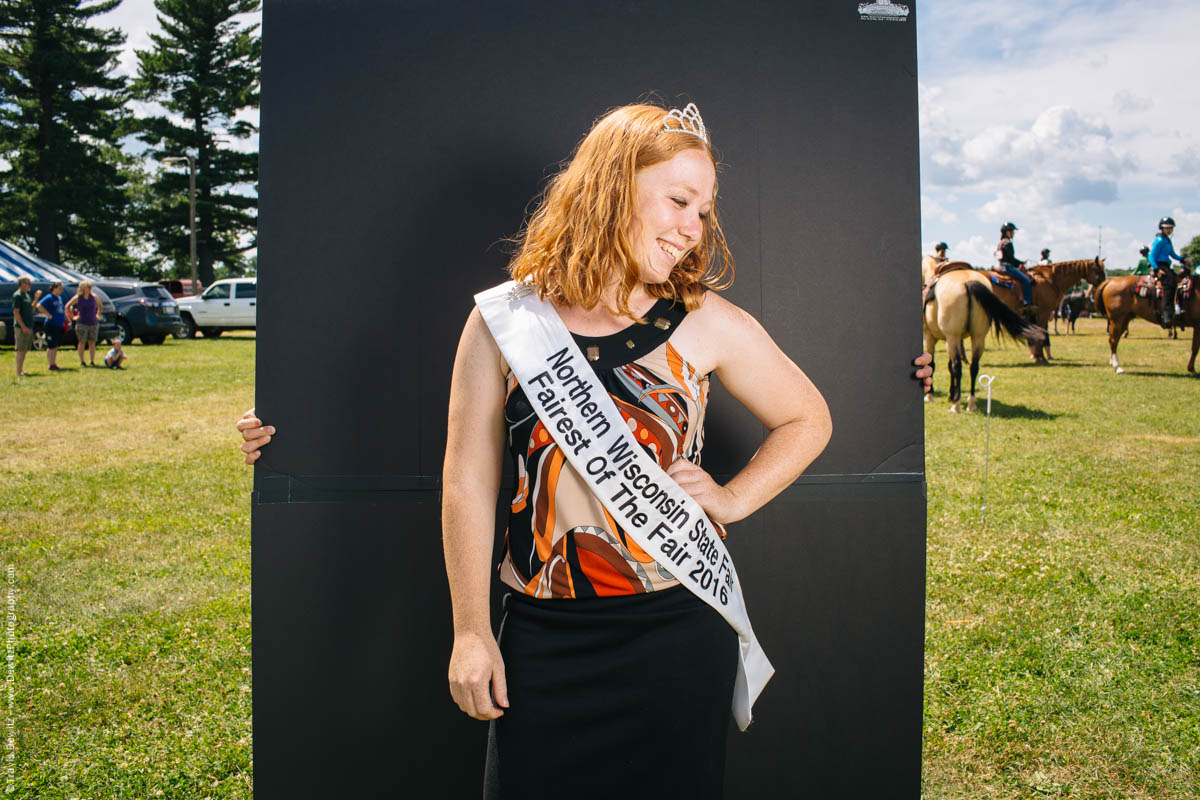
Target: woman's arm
[475, 440]
[756, 372]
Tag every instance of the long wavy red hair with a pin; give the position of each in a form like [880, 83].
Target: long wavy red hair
[578, 235]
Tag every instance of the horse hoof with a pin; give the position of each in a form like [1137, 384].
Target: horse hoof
[954, 408]
[1120, 371]
[972, 407]
[929, 397]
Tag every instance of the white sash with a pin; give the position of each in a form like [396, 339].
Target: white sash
[661, 517]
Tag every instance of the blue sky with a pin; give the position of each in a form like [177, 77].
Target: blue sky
[1064, 117]
[1061, 116]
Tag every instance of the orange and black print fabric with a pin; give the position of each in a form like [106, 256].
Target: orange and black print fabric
[561, 541]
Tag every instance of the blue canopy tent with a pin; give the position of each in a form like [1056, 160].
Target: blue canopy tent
[18, 261]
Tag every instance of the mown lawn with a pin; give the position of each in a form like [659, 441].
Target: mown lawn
[1063, 638]
[126, 520]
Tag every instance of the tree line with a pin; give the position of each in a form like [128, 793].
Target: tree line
[72, 188]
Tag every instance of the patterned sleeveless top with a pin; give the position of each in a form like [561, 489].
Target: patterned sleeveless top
[561, 541]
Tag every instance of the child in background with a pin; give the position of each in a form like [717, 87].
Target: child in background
[115, 357]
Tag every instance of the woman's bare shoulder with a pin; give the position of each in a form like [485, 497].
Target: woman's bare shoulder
[476, 346]
[707, 333]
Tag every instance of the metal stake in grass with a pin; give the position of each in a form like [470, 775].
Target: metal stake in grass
[986, 380]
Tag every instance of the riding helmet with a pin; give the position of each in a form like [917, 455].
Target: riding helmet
[1164, 222]
[1046, 252]
[941, 246]
[1008, 226]
[1145, 251]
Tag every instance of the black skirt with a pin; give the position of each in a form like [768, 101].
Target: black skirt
[615, 696]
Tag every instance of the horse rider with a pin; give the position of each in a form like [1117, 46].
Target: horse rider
[1161, 253]
[1013, 268]
[1045, 257]
[1143, 266]
[939, 252]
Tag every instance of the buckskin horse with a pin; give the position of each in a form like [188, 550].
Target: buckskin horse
[1116, 299]
[1050, 283]
[959, 304]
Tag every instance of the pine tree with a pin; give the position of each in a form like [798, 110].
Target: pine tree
[204, 69]
[62, 193]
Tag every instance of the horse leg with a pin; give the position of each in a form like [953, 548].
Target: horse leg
[955, 351]
[976, 354]
[1191, 366]
[930, 344]
[1117, 329]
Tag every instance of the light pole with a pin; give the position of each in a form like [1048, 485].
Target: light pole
[191, 161]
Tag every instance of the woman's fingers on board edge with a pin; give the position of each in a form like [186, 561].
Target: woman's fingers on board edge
[251, 445]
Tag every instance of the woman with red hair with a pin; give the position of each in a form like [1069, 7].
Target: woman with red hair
[609, 674]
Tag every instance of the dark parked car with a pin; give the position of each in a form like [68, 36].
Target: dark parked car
[182, 288]
[145, 310]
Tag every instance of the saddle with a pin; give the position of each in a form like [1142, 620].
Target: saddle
[1147, 286]
[1000, 279]
[940, 270]
[950, 266]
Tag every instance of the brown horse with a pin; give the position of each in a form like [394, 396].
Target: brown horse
[1116, 299]
[1050, 283]
[961, 304]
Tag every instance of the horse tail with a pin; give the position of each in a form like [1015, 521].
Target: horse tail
[1098, 298]
[1004, 318]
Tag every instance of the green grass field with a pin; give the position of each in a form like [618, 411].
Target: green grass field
[1062, 637]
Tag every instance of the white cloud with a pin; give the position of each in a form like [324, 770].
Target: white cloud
[974, 250]
[932, 209]
[1052, 113]
[1063, 157]
[1126, 102]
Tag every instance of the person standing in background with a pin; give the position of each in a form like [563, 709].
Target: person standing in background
[87, 320]
[52, 306]
[22, 305]
[1045, 258]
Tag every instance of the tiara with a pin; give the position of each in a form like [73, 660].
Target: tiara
[689, 122]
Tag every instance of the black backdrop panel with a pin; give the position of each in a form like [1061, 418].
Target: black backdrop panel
[401, 143]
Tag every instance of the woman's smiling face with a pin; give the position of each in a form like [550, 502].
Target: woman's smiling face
[673, 198]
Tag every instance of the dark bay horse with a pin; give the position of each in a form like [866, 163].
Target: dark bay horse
[1050, 283]
[1116, 299]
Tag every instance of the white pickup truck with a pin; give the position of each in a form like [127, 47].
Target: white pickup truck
[226, 305]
